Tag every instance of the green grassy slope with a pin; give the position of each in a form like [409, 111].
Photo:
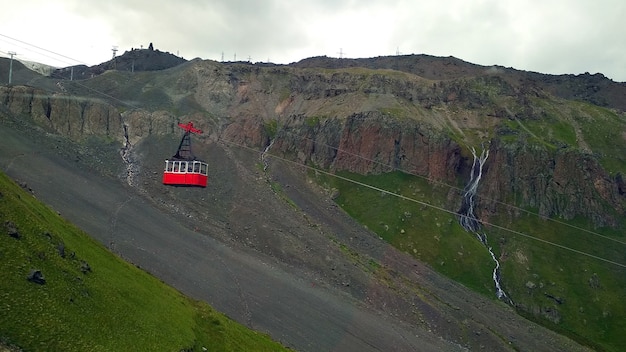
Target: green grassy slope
[569, 292]
[92, 300]
[575, 283]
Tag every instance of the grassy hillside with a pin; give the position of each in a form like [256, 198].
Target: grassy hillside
[569, 292]
[557, 273]
[573, 285]
[92, 300]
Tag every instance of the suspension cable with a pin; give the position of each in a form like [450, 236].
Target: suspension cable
[347, 179]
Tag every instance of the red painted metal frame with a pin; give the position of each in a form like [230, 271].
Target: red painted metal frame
[185, 179]
[185, 173]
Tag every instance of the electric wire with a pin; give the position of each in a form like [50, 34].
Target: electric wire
[503, 228]
[390, 192]
[42, 49]
[441, 183]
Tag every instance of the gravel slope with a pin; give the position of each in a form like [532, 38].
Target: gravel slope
[268, 264]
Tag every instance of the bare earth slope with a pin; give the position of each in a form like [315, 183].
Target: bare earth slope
[302, 273]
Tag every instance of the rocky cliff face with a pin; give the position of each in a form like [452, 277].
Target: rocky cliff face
[371, 142]
[561, 184]
[364, 121]
[366, 130]
[68, 115]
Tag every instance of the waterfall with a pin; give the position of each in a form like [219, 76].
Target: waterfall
[132, 168]
[263, 155]
[470, 222]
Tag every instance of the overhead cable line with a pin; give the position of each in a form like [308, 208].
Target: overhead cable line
[347, 179]
[510, 206]
[43, 49]
[393, 193]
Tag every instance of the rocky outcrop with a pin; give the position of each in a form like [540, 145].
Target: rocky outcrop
[78, 118]
[563, 183]
[372, 143]
[135, 60]
[143, 123]
[593, 88]
[36, 276]
[65, 114]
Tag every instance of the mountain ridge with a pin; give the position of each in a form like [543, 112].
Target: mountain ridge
[594, 88]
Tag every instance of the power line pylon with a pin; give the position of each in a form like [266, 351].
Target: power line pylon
[12, 53]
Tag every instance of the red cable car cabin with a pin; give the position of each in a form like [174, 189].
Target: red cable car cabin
[185, 173]
[184, 169]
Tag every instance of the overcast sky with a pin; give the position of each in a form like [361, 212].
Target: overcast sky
[547, 36]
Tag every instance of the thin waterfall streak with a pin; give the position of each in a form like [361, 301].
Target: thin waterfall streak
[263, 155]
[470, 222]
[496, 274]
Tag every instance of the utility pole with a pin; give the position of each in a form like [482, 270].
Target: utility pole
[11, 65]
[114, 50]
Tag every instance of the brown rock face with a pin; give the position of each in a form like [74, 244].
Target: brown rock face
[558, 183]
[563, 183]
[372, 143]
[68, 115]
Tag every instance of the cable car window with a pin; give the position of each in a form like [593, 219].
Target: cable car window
[203, 168]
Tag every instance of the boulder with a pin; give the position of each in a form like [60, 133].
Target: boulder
[36, 276]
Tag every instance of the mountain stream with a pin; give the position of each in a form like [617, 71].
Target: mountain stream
[264, 154]
[470, 222]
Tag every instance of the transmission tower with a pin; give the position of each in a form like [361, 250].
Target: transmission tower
[341, 53]
[114, 50]
[11, 65]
